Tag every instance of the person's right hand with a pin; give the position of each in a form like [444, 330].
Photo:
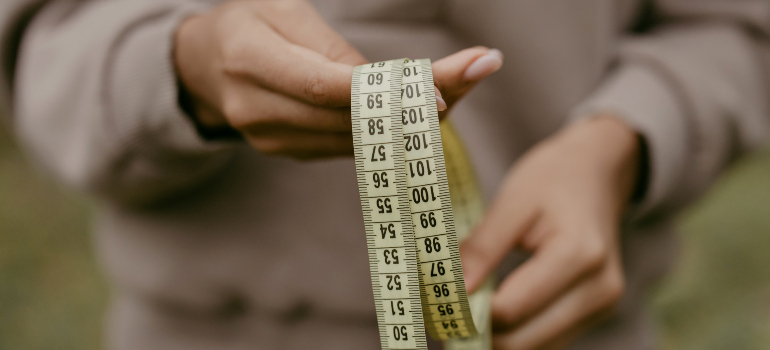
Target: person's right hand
[273, 70]
[276, 72]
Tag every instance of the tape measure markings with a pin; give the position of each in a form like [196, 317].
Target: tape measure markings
[412, 245]
[393, 264]
[452, 304]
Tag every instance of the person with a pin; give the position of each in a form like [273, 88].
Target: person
[185, 121]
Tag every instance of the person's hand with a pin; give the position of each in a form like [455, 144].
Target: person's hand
[563, 203]
[276, 72]
[273, 70]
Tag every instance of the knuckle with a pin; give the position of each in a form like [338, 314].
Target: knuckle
[235, 46]
[316, 89]
[235, 55]
[592, 253]
[614, 287]
[236, 111]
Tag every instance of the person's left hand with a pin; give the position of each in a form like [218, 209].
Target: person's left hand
[563, 203]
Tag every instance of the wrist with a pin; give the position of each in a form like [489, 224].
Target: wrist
[191, 63]
[615, 148]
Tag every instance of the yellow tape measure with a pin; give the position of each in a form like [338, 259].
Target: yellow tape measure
[408, 213]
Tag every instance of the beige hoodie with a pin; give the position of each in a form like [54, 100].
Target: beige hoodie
[211, 245]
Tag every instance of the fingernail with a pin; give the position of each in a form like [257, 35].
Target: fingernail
[436, 91]
[440, 103]
[496, 52]
[484, 65]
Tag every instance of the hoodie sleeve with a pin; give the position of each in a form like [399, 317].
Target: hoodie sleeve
[695, 87]
[95, 98]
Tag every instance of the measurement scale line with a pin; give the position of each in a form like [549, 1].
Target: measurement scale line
[423, 158]
[397, 92]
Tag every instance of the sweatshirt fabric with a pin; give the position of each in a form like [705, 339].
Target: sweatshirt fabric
[211, 245]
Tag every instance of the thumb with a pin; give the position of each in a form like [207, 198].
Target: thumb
[300, 23]
[510, 216]
[456, 74]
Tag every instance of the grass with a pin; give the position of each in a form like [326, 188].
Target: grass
[52, 295]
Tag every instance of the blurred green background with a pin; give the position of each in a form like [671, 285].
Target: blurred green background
[52, 295]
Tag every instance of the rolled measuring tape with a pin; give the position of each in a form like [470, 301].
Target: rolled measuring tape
[413, 226]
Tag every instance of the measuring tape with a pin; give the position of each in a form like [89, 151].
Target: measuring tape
[411, 228]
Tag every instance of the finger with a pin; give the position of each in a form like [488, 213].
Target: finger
[250, 107]
[512, 213]
[301, 144]
[301, 24]
[276, 64]
[440, 103]
[566, 318]
[544, 277]
[456, 74]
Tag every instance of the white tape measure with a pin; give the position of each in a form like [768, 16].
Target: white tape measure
[408, 213]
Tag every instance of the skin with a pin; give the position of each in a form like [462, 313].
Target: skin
[562, 202]
[277, 73]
